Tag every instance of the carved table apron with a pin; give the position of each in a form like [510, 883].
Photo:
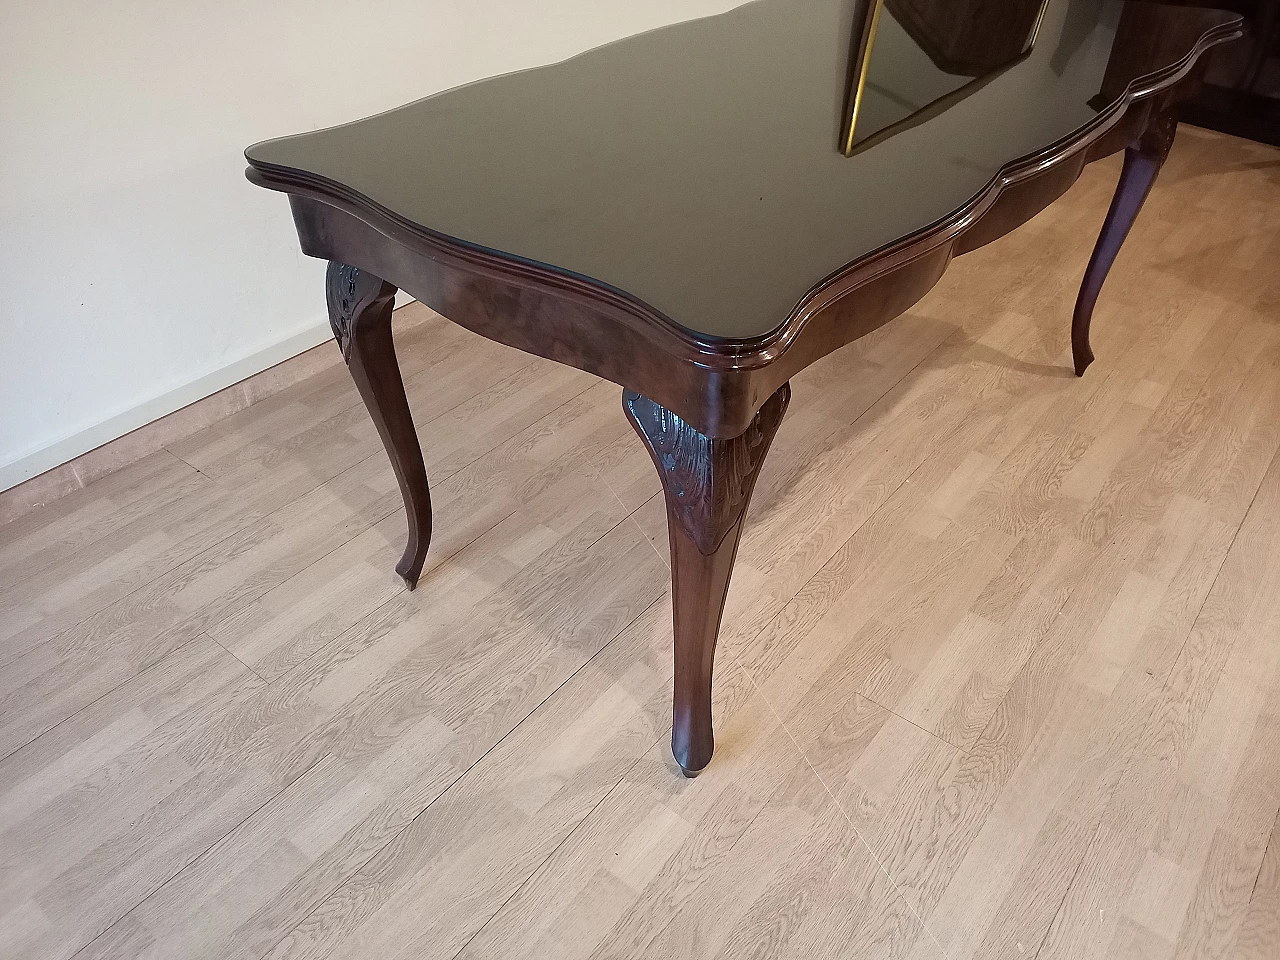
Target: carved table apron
[407, 201]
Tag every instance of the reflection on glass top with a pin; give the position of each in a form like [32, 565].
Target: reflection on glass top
[915, 58]
[698, 167]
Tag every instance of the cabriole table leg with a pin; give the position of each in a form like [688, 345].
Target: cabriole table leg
[707, 483]
[360, 306]
[1142, 161]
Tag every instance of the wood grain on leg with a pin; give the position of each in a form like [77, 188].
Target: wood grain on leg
[1142, 162]
[708, 483]
[360, 306]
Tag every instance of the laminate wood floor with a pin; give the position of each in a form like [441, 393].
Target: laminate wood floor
[999, 675]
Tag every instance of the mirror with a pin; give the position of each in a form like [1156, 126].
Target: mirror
[914, 58]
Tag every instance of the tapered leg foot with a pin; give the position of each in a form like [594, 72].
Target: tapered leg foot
[707, 483]
[1142, 161]
[1081, 352]
[360, 306]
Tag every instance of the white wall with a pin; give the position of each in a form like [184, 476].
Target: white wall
[141, 270]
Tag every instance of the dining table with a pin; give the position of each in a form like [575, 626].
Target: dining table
[698, 212]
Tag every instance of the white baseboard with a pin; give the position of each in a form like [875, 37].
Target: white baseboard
[67, 448]
[82, 441]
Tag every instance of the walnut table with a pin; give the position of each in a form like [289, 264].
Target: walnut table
[699, 212]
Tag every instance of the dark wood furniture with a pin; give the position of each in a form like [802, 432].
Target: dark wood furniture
[672, 212]
[1240, 95]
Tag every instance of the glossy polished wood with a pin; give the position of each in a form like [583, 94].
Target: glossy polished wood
[707, 484]
[1142, 162]
[1111, 71]
[602, 326]
[696, 170]
[360, 308]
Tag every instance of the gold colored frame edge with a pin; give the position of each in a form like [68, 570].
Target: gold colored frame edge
[1035, 30]
[864, 62]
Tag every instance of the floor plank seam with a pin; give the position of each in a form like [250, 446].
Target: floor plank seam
[217, 543]
[1066, 892]
[198, 856]
[1262, 863]
[328, 553]
[98, 699]
[292, 501]
[454, 782]
[232, 655]
[255, 674]
[191, 466]
[203, 633]
[963, 751]
[906, 374]
[1173, 661]
[543, 862]
[666, 561]
[844, 813]
[391, 599]
[1135, 754]
[621, 521]
[191, 559]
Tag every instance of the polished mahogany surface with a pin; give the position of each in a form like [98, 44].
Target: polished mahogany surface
[697, 168]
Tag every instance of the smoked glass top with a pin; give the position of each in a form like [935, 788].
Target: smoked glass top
[701, 167]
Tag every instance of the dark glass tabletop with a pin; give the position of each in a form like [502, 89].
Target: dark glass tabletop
[702, 167]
